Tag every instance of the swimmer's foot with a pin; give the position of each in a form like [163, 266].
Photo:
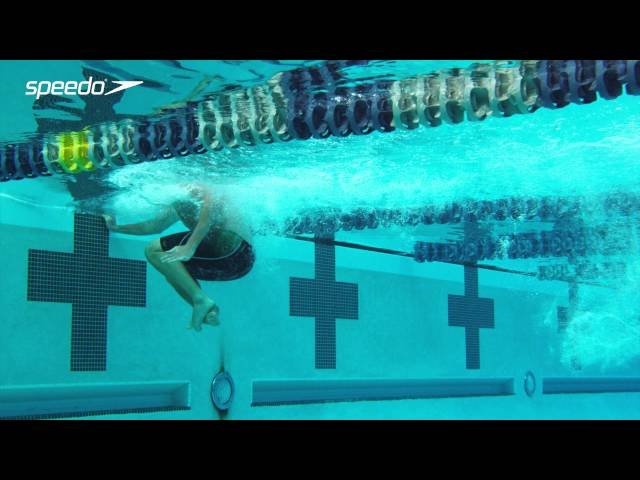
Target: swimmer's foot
[212, 316]
[201, 307]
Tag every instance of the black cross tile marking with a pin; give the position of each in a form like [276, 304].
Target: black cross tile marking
[563, 319]
[565, 313]
[90, 280]
[325, 299]
[472, 313]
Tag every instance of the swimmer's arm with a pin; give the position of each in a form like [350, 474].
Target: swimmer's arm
[164, 220]
[204, 220]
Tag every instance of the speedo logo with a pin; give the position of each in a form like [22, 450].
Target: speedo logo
[88, 87]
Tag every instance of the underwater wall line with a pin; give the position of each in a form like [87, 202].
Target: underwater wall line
[316, 102]
[575, 273]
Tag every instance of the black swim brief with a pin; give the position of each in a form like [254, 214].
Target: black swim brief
[208, 265]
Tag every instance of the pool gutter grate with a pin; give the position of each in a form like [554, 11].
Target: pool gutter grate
[292, 392]
[64, 415]
[569, 385]
[81, 400]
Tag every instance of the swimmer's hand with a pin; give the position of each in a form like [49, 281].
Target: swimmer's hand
[110, 221]
[181, 253]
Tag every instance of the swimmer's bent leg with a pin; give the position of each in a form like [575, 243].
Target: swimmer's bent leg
[152, 251]
[181, 280]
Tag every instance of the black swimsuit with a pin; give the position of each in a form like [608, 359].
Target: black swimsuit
[211, 261]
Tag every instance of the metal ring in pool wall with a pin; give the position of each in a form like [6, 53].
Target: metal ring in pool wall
[222, 390]
[529, 383]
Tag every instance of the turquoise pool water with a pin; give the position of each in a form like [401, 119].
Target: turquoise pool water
[527, 346]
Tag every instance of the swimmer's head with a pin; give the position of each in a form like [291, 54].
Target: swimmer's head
[195, 188]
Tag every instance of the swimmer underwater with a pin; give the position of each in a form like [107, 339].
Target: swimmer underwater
[216, 246]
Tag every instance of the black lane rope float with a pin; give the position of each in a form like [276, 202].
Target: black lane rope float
[529, 208]
[357, 246]
[316, 102]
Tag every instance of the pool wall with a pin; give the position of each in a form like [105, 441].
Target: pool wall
[399, 333]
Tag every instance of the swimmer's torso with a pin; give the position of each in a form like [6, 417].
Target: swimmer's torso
[227, 230]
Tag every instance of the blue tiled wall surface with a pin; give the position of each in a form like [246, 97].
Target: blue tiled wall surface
[402, 331]
[143, 343]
